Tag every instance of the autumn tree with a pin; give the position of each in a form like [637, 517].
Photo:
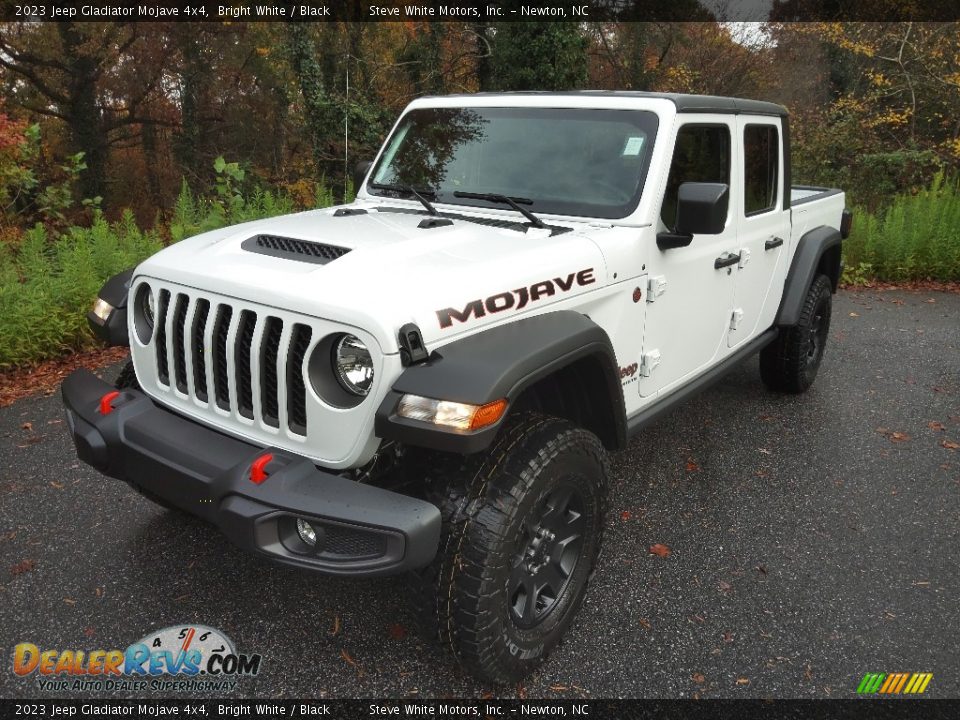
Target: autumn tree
[90, 76]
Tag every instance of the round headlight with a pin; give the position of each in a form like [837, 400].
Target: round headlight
[149, 307]
[142, 307]
[353, 365]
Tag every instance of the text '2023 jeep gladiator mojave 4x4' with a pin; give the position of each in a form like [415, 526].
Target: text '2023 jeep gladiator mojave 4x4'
[427, 380]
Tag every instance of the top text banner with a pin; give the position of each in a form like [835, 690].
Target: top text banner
[471, 11]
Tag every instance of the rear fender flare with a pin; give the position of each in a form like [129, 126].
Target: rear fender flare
[813, 250]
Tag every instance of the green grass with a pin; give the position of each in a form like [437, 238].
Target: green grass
[917, 237]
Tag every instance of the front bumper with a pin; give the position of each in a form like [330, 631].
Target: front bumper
[363, 530]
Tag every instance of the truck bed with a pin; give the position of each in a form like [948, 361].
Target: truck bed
[800, 194]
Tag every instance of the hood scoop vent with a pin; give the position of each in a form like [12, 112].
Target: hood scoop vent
[293, 249]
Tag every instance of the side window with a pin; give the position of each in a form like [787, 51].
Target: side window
[702, 154]
[761, 157]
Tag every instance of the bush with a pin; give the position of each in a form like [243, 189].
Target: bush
[48, 280]
[47, 284]
[916, 238]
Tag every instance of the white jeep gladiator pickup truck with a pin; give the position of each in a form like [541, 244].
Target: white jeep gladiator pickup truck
[428, 379]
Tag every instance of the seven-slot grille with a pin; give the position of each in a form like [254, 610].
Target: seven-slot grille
[233, 343]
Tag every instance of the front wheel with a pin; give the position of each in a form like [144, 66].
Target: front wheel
[523, 525]
[790, 363]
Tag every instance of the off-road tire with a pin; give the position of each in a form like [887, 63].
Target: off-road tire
[790, 363]
[498, 507]
[127, 380]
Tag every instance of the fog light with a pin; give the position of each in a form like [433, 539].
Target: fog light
[462, 416]
[102, 309]
[306, 532]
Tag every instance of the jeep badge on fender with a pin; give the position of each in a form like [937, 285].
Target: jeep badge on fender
[293, 382]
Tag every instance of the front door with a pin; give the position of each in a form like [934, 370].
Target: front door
[689, 299]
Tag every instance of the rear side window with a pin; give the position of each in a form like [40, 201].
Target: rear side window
[761, 157]
[702, 154]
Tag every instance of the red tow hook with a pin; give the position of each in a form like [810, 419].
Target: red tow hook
[258, 471]
[106, 401]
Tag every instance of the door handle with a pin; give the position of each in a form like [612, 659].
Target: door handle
[726, 260]
[773, 243]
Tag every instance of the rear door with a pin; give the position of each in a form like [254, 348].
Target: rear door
[764, 226]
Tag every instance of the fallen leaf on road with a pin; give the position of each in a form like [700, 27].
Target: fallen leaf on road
[808, 673]
[346, 656]
[559, 688]
[58, 486]
[724, 587]
[626, 515]
[644, 623]
[27, 426]
[692, 466]
[521, 692]
[660, 550]
[893, 435]
[728, 637]
[397, 631]
[930, 301]
[70, 601]
[854, 314]
[936, 426]
[336, 625]
[950, 444]
[23, 566]
[89, 632]
[761, 569]
[743, 681]
[698, 678]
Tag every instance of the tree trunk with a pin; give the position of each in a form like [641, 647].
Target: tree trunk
[83, 116]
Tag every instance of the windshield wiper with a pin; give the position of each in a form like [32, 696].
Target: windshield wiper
[513, 202]
[418, 193]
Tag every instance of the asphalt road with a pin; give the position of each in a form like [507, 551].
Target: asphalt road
[807, 547]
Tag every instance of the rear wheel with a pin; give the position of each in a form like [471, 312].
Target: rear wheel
[790, 363]
[522, 529]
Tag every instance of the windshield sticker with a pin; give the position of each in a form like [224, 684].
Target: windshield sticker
[634, 145]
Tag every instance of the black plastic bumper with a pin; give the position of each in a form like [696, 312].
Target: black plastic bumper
[362, 530]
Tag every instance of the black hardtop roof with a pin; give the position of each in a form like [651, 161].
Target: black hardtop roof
[683, 103]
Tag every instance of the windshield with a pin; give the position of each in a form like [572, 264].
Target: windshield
[583, 162]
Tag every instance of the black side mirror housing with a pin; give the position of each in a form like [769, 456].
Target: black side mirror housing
[701, 210]
[360, 171]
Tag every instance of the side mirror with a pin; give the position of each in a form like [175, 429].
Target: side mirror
[701, 210]
[360, 173]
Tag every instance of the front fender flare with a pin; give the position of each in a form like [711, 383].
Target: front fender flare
[493, 364]
[114, 291]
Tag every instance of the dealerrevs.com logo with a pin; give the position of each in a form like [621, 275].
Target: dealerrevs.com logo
[180, 658]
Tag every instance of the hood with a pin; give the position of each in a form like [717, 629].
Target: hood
[446, 279]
